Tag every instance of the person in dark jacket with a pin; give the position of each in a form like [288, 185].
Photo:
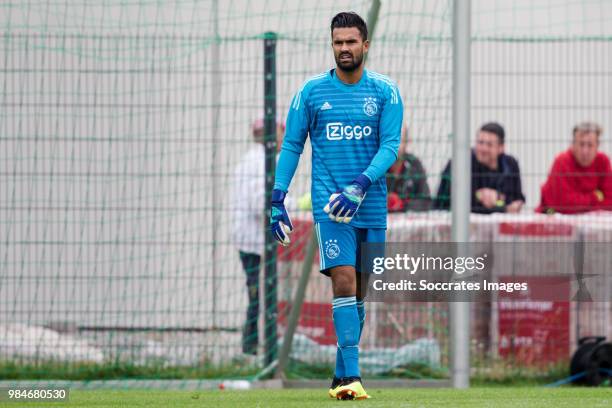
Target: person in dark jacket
[496, 178]
[407, 181]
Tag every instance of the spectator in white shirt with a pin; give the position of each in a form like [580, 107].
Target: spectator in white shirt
[248, 216]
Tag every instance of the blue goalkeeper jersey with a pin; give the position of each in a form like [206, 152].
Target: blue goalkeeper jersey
[348, 124]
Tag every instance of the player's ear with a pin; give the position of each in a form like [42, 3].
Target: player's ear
[366, 47]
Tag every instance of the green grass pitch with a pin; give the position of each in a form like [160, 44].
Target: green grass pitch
[495, 397]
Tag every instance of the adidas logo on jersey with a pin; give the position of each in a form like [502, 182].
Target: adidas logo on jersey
[326, 106]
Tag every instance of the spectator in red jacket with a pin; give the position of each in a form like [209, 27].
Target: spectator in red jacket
[581, 178]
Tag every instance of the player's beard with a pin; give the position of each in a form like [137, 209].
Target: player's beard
[349, 66]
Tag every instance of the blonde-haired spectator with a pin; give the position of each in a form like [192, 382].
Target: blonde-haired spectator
[580, 179]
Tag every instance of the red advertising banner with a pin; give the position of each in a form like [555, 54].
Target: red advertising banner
[315, 321]
[531, 331]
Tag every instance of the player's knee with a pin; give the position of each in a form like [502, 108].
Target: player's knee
[344, 289]
[343, 282]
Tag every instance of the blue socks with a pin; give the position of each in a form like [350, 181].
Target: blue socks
[362, 314]
[340, 372]
[349, 317]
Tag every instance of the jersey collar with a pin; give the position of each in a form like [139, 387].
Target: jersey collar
[344, 86]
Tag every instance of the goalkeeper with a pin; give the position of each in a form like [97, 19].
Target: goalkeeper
[354, 119]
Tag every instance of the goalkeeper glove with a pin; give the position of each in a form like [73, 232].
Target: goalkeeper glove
[280, 224]
[343, 205]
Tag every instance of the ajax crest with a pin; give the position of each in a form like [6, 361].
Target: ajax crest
[332, 250]
[369, 107]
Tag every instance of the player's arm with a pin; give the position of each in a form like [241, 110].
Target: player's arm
[390, 129]
[293, 145]
[343, 206]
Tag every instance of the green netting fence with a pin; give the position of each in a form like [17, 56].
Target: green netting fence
[126, 141]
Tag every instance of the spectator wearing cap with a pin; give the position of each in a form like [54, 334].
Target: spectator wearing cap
[407, 181]
[496, 178]
[580, 179]
[248, 223]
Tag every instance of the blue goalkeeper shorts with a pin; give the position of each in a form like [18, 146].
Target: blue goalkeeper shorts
[340, 244]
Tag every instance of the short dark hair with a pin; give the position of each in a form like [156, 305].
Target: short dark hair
[350, 19]
[496, 129]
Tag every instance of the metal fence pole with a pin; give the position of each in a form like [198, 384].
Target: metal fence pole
[270, 277]
[461, 185]
[216, 161]
[372, 19]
